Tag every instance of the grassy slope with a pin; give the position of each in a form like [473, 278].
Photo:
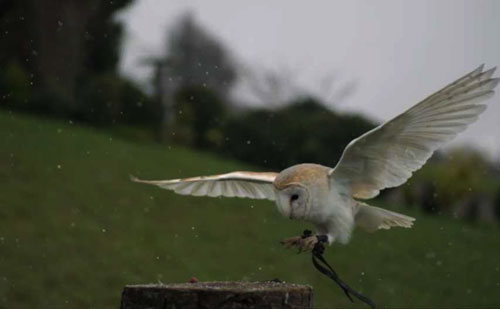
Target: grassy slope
[74, 230]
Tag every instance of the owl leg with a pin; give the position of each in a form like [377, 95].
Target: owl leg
[306, 242]
[291, 241]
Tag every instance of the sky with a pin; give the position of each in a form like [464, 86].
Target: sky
[395, 52]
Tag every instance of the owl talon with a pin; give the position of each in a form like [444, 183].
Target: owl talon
[302, 243]
[291, 241]
[308, 243]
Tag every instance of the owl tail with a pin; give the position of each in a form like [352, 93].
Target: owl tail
[372, 218]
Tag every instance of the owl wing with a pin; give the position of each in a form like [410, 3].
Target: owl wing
[388, 155]
[236, 184]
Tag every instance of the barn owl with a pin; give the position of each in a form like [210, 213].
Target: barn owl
[384, 157]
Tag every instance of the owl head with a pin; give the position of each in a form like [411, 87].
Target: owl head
[295, 186]
[293, 201]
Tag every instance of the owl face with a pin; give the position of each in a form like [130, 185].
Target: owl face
[293, 201]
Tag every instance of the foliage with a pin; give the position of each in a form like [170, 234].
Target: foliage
[199, 115]
[139, 108]
[56, 54]
[304, 131]
[16, 82]
[102, 96]
[103, 38]
[448, 181]
[108, 100]
[497, 202]
[74, 230]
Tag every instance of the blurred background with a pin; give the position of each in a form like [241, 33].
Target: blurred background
[92, 91]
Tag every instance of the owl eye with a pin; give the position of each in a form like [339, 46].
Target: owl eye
[294, 197]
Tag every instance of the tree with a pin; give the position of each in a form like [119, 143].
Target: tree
[194, 61]
[59, 47]
[196, 58]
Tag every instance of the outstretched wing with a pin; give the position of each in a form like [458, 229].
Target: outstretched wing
[388, 155]
[235, 184]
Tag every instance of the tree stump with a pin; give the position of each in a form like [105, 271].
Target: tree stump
[267, 294]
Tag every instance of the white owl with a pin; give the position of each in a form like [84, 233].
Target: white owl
[381, 158]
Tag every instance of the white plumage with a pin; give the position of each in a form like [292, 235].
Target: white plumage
[381, 158]
[387, 155]
[235, 184]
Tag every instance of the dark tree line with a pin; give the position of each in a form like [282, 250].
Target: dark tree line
[304, 131]
[59, 57]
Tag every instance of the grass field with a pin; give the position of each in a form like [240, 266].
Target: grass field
[74, 230]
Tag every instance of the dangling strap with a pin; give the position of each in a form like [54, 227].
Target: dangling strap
[317, 254]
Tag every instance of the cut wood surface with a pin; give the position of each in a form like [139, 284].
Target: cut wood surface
[268, 294]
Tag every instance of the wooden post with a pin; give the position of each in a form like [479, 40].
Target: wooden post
[267, 294]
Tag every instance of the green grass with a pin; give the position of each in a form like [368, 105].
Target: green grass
[74, 230]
